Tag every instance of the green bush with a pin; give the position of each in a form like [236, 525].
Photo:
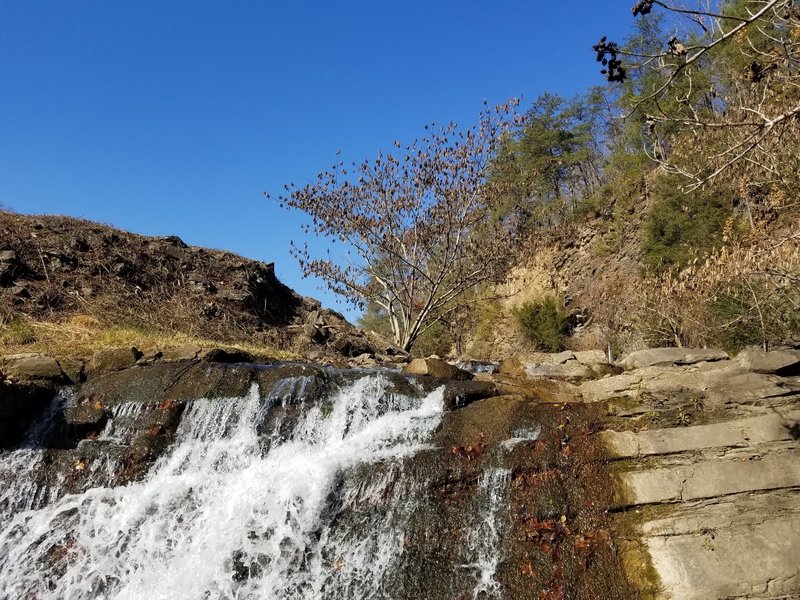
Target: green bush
[682, 226]
[738, 321]
[435, 340]
[545, 323]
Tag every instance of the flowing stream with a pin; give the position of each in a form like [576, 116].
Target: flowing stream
[248, 503]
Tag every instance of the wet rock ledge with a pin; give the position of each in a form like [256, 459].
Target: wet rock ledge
[670, 474]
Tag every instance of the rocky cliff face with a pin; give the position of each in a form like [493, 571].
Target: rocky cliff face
[705, 455]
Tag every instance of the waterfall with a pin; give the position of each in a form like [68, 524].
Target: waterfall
[20, 488]
[485, 536]
[245, 504]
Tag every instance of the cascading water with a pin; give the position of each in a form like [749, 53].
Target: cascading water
[20, 488]
[244, 505]
[485, 537]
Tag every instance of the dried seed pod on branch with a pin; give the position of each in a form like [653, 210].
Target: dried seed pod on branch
[724, 94]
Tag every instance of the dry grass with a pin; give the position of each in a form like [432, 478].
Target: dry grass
[740, 294]
[81, 336]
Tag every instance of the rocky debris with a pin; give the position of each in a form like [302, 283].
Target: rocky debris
[10, 269]
[329, 329]
[56, 267]
[53, 267]
[436, 368]
[671, 356]
[363, 360]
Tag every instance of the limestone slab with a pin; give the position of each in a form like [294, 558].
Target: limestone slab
[781, 362]
[761, 561]
[739, 433]
[710, 479]
[671, 356]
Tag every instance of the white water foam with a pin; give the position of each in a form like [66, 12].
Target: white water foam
[20, 489]
[484, 539]
[220, 518]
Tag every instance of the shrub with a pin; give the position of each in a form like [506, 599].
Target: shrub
[681, 227]
[437, 339]
[545, 323]
[746, 315]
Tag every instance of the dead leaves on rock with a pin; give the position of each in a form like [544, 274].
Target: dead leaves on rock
[471, 451]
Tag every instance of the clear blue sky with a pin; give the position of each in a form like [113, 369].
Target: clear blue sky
[173, 117]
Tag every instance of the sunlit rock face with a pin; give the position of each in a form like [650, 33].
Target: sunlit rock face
[292, 481]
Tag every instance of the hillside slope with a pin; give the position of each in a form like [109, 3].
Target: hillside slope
[736, 295]
[65, 279]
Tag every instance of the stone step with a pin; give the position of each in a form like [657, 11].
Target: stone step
[709, 479]
[740, 433]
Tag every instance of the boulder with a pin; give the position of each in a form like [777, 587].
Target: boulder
[73, 369]
[231, 295]
[778, 362]
[542, 390]
[458, 394]
[31, 366]
[513, 367]
[671, 356]
[561, 358]
[591, 357]
[350, 344]
[563, 366]
[571, 371]
[435, 367]
[178, 353]
[115, 359]
[363, 360]
[85, 419]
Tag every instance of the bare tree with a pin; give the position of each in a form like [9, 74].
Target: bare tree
[423, 224]
[732, 79]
